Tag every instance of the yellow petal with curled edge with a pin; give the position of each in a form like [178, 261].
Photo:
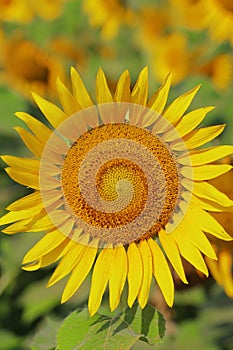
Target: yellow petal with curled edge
[201, 136]
[18, 226]
[205, 172]
[26, 179]
[208, 224]
[68, 102]
[117, 275]
[177, 108]
[29, 165]
[32, 143]
[208, 155]
[187, 123]
[225, 269]
[196, 237]
[79, 90]
[41, 131]
[122, 93]
[79, 272]
[146, 273]
[207, 191]
[172, 252]
[69, 260]
[139, 94]
[53, 114]
[189, 251]
[162, 272]
[19, 215]
[134, 275]
[47, 259]
[211, 206]
[27, 202]
[159, 99]
[103, 94]
[213, 266]
[99, 280]
[47, 243]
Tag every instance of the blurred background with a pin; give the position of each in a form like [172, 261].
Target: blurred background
[40, 40]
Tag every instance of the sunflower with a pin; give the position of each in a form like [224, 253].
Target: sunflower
[15, 11]
[28, 67]
[187, 13]
[107, 15]
[219, 69]
[119, 187]
[218, 19]
[170, 53]
[47, 9]
[152, 22]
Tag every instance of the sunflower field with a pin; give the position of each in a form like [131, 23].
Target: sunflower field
[116, 155]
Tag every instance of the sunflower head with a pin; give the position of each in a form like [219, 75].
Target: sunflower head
[120, 186]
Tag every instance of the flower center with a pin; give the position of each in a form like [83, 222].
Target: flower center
[108, 179]
[110, 173]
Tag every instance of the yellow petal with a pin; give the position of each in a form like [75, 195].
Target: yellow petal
[55, 254]
[201, 136]
[18, 226]
[189, 251]
[211, 206]
[48, 258]
[79, 273]
[54, 115]
[177, 108]
[208, 224]
[225, 269]
[189, 122]
[208, 155]
[117, 276]
[69, 260]
[79, 90]
[146, 274]
[32, 166]
[32, 143]
[103, 94]
[139, 94]
[26, 179]
[68, 102]
[99, 280]
[208, 192]
[213, 266]
[31, 200]
[19, 215]
[40, 224]
[196, 237]
[162, 272]
[134, 272]
[205, 172]
[47, 243]
[159, 99]
[41, 131]
[122, 93]
[172, 252]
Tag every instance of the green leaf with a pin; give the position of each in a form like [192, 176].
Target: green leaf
[80, 331]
